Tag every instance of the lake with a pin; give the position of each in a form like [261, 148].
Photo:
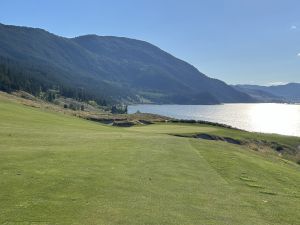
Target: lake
[265, 117]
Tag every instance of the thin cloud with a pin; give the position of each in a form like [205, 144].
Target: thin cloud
[298, 54]
[293, 27]
[277, 83]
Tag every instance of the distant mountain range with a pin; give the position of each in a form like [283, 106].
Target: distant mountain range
[116, 69]
[280, 93]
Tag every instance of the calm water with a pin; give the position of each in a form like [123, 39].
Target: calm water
[267, 118]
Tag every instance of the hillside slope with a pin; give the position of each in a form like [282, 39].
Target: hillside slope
[81, 172]
[277, 93]
[119, 69]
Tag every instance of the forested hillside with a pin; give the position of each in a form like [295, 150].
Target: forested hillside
[117, 70]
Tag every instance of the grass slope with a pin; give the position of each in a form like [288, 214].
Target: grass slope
[58, 169]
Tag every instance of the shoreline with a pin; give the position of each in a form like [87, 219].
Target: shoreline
[266, 118]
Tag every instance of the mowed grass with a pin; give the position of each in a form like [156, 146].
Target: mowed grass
[57, 169]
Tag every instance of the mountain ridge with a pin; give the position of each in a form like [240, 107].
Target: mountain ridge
[276, 93]
[117, 68]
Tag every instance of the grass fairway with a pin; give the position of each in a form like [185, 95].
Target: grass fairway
[57, 169]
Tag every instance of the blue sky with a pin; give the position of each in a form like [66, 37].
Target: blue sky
[238, 41]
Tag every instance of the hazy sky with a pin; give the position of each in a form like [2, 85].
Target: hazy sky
[238, 41]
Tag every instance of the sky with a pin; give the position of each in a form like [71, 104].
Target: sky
[237, 41]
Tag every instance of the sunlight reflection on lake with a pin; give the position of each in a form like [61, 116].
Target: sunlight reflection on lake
[267, 118]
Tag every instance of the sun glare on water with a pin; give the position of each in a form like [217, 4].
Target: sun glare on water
[273, 118]
[263, 117]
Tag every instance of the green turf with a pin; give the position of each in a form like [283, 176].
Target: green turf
[57, 169]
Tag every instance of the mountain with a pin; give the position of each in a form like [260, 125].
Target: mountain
[114, 68]
[280, 93]
[259, 93]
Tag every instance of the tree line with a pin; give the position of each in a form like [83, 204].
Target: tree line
[14, 77]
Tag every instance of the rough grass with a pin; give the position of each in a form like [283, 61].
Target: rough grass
[58, 169]
[288, 147]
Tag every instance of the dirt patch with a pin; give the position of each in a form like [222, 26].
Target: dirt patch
[105, 121]
[253, 144]
[146, 122]
[207, 137]
[123, 123]
[256, 145]
[232, 141]
[218, 138]
[120, 122]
